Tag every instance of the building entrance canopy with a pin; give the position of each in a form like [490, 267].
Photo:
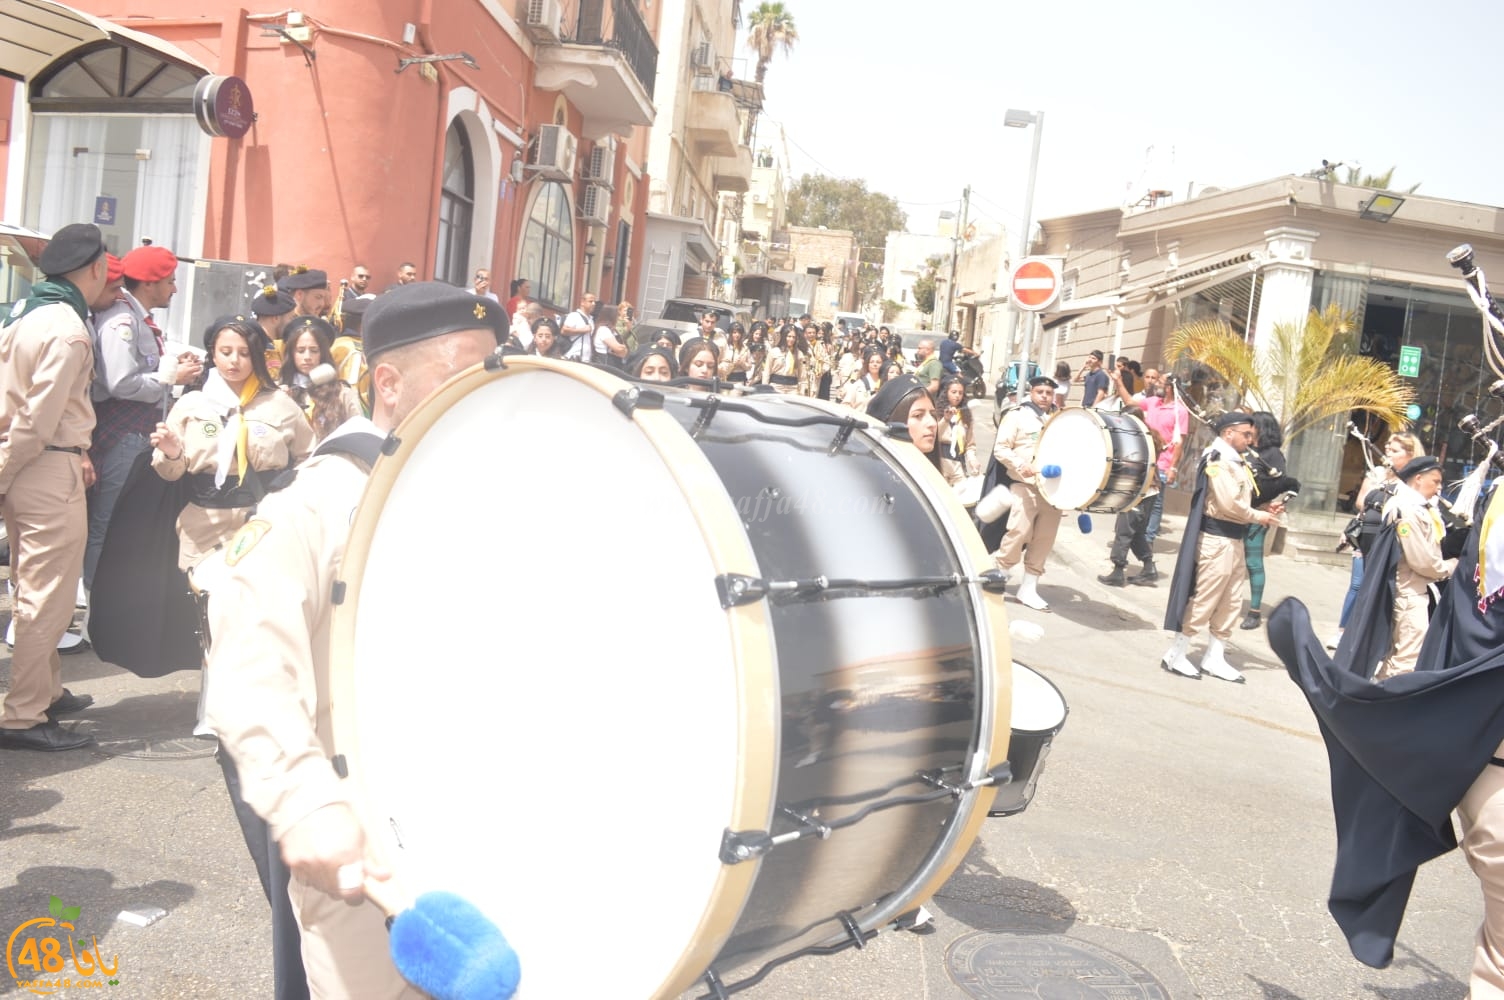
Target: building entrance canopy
[36, 33]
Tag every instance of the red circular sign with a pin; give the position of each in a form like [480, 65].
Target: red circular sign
[1035, 284]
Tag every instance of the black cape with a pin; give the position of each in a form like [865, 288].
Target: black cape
[1402, 753]
[1183, 579]
[141, 616]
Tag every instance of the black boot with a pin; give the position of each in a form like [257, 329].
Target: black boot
[1252, 620]
[1115, 578]
[1148, 577]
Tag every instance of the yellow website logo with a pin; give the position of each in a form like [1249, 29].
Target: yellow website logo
[46, 956]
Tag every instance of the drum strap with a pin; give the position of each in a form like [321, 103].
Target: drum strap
[361, 446]
[1496, 761]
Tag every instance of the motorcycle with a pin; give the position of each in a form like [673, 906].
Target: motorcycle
[974, 376]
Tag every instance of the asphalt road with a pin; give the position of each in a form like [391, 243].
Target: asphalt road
[1180, 844]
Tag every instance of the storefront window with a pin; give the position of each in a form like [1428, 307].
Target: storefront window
[548, 248]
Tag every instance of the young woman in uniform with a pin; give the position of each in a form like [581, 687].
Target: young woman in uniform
[307, 345]
[958, 446]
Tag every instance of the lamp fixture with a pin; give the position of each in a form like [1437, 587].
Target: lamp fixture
[1381, 206]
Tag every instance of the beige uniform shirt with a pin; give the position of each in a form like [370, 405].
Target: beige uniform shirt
[278, 436]
[1420, 560]
[269, 665]
[46, 364]
[1017, 438]
[1229, 488]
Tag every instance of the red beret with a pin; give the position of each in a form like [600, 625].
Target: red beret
[151, 263]
[117, 267]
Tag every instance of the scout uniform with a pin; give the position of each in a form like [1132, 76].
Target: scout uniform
[46, 362]
[272, 309]
[270, 659]
[1210, 571]
[1034, 523]
[1418, 528]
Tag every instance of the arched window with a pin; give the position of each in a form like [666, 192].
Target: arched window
[111, 78]
[548, 247]
[456, 209]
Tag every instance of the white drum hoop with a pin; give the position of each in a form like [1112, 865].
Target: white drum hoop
[1097, 473]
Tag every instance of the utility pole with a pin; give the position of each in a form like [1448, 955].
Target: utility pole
[955, 256]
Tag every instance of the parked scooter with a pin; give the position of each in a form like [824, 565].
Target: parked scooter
[975, 378]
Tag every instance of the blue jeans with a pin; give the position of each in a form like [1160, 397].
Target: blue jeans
[113, 469]
[1156, 508]
[1352, 591]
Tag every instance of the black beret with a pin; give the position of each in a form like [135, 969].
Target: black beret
[291, 331]
[885, 402]
[1233, 418]
[271, 302]
[422, 310]
[1414, 467]
[302, 281]
[1039, 380]
[71, 248]
[244, 325]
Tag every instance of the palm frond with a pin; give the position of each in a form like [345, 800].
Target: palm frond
[1215, 345]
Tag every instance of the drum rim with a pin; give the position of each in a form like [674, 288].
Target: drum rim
[1098, 418]
[949, 851]
[755, 657]
[1058, 693]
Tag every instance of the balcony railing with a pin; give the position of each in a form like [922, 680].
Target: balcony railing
[617, 23]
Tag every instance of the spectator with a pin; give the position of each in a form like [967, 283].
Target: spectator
[736, 360]
[546, 340]
[578, 330]
[522, 290]
[958, 446]
[1130, 530]
[861, 389]
[1267, 463]
[1095, 378]
[407, 273]
[522, 325]
[1062, 376]
[360, 280]
[482, 286]
[930, 369]
[606, 348]
[949, 348]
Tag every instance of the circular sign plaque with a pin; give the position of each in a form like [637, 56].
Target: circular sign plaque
[223, 106]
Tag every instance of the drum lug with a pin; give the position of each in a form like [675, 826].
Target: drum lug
[993, 581]
[495, 362]
[390, 445]
[745, 845]
[842, 436]
[736, 589]
[707, 414]
[628, 401]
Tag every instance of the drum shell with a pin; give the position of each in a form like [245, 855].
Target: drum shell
[1106, 460]
[1034, 695]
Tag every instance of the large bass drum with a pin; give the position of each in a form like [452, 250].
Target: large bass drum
[1106, 461]
[722, 665]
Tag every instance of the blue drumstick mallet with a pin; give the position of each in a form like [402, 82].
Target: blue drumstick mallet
[447, 948]
[1083, 521]
[1050, 472]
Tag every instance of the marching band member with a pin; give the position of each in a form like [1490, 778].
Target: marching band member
[1033, 523]
[327, 404]
[1207, 588]
[905, 400]
[1416, 561]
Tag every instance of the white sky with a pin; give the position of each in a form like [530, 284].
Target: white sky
[911, 97]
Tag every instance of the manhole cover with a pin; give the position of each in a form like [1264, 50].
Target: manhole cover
[992, 966]
[161, 748]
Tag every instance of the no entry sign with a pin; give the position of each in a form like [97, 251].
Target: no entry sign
[1035, 284]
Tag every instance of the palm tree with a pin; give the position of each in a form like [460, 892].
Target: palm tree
[1356, 177]
[770, 31]
[1308, 374]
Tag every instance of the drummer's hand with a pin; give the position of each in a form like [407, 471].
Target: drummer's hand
[1276, 509]
[322, 843]
[1027, 471]
[165, 441]
[90, 476]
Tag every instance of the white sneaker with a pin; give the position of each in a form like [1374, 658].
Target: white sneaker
[1175, 660]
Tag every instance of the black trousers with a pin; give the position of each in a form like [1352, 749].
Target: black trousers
[1129, 535]
[287, 941]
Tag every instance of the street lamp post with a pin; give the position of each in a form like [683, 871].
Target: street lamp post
[1023, 119]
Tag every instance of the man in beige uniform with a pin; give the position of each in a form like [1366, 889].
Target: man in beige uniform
[46, 362]
[1419, 529]
[1210, 570]
[1033, 523]
[270, 657]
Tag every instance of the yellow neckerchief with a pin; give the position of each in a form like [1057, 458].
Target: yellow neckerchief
[788, 361]
[958, 435]
[242, 439]
[1437, 526]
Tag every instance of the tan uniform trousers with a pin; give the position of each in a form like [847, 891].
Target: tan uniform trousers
[1220, 574]
[1032, 525]
[1409, 634]
[46, 517]
[337, 943]
[1481, 813]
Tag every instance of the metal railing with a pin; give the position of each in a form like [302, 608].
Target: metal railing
[617, 24]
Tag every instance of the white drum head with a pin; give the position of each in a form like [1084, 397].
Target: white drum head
[1037, 704]
[547, 711]
[1075, 440]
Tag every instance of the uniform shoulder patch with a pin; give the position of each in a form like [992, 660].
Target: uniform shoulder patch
[1213, 470]
[1403, 530]
[245, 540]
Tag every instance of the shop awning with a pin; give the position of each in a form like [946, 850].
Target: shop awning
[36, 33]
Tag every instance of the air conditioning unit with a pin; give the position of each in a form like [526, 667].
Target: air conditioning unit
[595, 206]
[544, 21]
[758, 199]
[553, 156]
[601, 164]
[701, 58]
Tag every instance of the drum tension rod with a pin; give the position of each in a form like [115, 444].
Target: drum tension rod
[1002, 774]
[745, 845]
[707, 414]
[736, 589]
[843, 435]
[630, 400]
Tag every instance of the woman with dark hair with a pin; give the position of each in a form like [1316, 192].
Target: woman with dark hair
[698, 358]
[327, 402]
[1063, 377]
[608, 348]
[668, 339]
[1267, 463]
[546, 342]
[862, 388]
[787, 356]
[905, 400]
[652, 364]
[958, 446]
[893, 368]
[736, 359]
[228, 436]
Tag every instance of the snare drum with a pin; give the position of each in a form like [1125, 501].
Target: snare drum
[1106, 461]
[1039, 712]
[716, 720]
